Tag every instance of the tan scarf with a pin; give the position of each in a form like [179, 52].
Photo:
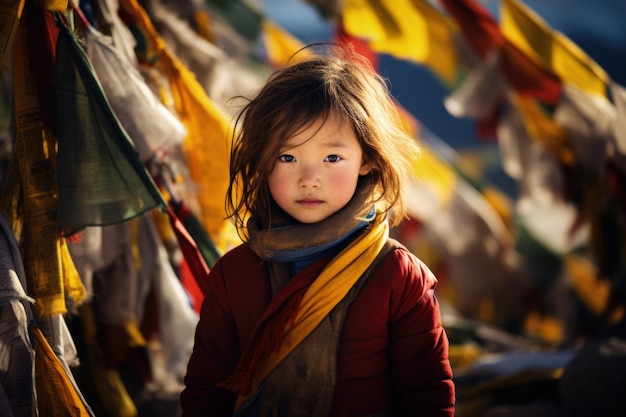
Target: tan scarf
[284, 236]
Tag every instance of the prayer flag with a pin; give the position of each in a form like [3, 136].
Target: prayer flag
[280, 45]
[327, 8]
[477, 25]
[593, 292]
[360, 45]
[219, 68]
[550, 48]
[56, 393]
[483, 33]
[152, 128]
[481, 92]
[411, 30]
[207, 142]
[468, 231]
[618, 93]
[17, 386]
[588, 119]
[541, 126]
[11, 13]
[240, 15]
[106, 381]
[29, 190]
[101, 179]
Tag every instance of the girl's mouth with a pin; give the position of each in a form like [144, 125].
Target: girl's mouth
[309, 202]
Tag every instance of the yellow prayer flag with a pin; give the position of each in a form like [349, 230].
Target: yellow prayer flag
[56, 394]
[30, 197]
[593, 291]
[360, 20]
[436, 174]
[442, 57]
[551, 48]
[407, 29]
[280, 45]
[208, 128]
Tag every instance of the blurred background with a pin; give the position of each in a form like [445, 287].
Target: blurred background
[596, 27]
[114, 124]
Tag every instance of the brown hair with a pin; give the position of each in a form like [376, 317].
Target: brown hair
[300, 93]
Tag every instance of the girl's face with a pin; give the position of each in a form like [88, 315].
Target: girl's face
[317, 170]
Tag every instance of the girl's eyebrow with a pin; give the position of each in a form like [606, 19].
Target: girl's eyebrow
[331, 143]
[334, 143]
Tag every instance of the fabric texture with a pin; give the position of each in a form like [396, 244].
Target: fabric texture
[207, 125]
[304, 381]
[29, 190]
[392, 339]
[321, 296]
[18, 354]
[101, 179]
[284, 239]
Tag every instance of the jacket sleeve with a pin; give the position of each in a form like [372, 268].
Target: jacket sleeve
[420, 368]
[214, 354]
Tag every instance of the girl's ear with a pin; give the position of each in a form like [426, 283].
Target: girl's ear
[366, 167]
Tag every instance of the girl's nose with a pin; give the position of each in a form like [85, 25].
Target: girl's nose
[309, 178]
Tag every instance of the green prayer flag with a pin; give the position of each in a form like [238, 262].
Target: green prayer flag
[100, 177]
[240, 16]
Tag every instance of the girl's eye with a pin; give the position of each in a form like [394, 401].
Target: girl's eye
[333, 158]
[286, 158]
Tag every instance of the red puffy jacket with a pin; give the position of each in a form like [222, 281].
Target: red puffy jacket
[393, 352]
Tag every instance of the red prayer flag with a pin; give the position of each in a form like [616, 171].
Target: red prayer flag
[483, 33]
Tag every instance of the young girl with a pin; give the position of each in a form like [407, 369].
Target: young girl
[319, 313]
